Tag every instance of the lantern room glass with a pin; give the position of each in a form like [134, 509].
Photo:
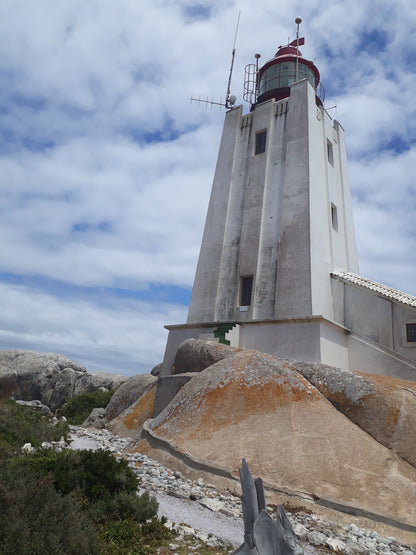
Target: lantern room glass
[283, 75]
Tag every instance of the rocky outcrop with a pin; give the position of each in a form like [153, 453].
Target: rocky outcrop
[48, 377]
[131, 390]
[130, 422]
[194, 355]
[96, 419]
[254, 406]
[37, 406]
[384, 407]
[155, 371]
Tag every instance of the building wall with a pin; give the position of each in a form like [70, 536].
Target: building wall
[270, 215]
[401, 316]
[204, 292]
[177, 335]
[296, 339]
[333, 345]
[372, 316]
[284, 216]
[373, 358]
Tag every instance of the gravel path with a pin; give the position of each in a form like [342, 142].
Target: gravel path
[215, 517]
[182, 511]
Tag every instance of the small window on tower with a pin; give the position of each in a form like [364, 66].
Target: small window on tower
[334, 217]
[246, 290]
[260, 142]
[411, 333]
[330, 151]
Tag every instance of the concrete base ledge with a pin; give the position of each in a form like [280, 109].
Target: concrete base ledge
[196, 464]
[356, 511]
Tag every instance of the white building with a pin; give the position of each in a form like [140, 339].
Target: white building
[278, 267]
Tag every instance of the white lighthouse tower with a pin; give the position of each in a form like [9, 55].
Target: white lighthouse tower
[280, 217]
[278, 266]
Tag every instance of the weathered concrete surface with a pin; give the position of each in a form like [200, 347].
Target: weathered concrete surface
[384, 407]
[253, 406]
[49, 377]
[131, 390]
[194, 355]
[167, 389]
[130, 422]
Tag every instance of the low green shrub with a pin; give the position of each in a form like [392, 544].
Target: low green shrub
[77, 409]
[35, 518]
[127, 536]
[95, 474]
[124, 506]
[20, 425]
[70, 502]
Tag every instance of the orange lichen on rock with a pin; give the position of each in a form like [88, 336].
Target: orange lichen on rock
[383, 406]
[256, 406]
[242, 391]
[130, 422]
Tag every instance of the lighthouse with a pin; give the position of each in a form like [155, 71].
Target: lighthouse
[278, 266]
[280, 216]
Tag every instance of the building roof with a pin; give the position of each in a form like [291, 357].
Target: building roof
[384, 290]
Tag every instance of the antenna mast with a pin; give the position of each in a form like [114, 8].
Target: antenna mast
[228, 104]
[298, 21]
[229, 98]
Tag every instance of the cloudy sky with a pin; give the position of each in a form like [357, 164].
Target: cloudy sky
[106, 167]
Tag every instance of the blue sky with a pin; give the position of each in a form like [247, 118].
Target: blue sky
[106, 167]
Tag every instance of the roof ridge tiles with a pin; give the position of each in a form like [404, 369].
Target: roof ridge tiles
[385, 290]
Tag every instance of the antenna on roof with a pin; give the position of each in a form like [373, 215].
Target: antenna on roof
[230, 99]
[298, 21]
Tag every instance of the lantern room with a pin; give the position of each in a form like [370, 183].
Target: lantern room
[287, 67]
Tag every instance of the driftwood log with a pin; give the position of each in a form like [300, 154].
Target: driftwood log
[263, 535]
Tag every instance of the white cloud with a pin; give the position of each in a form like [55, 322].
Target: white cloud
[110, 333]
[106, 168]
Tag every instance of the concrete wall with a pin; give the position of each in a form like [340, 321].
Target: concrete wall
[179, 334]
[295, 339]
[204, 292]
[401, 316]
[293, 284]
[270, 215]
[333, 345]
[310, 339]
[319, 340]
[332, 240]
[365, 356]
[375, 317]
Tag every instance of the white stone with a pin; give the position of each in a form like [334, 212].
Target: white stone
[336, 545]
[212, 504]
[316, 538]
[300, 530]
